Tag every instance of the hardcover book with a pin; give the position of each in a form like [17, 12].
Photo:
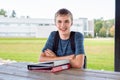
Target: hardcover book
[50, 66]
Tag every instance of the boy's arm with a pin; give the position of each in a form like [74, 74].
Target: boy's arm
[48, 57]
[77, 61]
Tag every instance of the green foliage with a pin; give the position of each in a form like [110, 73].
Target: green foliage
[88, 36]
[102, 32]
[99, 24]
[112, 31]
[3, 12]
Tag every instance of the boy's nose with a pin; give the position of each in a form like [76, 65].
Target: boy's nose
[62, 24]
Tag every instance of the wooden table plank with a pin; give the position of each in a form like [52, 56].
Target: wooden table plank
[19, 70]
[93, 73]
[13, 77]
[33, 74]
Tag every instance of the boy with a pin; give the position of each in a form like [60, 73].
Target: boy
[63, 22]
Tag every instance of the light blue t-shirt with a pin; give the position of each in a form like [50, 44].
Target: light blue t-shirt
[64, 46]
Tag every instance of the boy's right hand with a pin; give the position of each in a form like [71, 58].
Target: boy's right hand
[49, 53]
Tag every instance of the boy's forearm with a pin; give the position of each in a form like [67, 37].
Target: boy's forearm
[48, 58]
[77, 61]
[45, 58]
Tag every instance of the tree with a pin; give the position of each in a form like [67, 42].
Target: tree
[108, 23]
[112, 31]
[99, 23]
[98, 26]
[102, 32]
[3, 12]
[13, 14]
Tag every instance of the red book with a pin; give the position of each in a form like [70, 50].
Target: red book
[60, 68]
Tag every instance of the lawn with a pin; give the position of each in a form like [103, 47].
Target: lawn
[100, 52]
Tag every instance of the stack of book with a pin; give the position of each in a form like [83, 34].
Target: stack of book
[50, 66]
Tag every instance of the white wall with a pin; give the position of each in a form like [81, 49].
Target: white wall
[14, 27]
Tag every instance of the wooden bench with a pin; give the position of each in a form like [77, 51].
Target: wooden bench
[18, 71]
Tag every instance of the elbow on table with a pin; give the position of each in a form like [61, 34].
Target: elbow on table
[41, 58]
[76, 65]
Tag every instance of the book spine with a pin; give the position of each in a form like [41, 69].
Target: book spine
[38, 68]
[60, 68]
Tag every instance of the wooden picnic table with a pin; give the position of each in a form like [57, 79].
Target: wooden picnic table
[18, 71]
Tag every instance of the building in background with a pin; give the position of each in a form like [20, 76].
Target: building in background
[39, 28]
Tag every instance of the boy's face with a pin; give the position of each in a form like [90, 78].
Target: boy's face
[63, 23]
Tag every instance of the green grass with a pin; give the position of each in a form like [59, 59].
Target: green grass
[21, 49]
[100, 52]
